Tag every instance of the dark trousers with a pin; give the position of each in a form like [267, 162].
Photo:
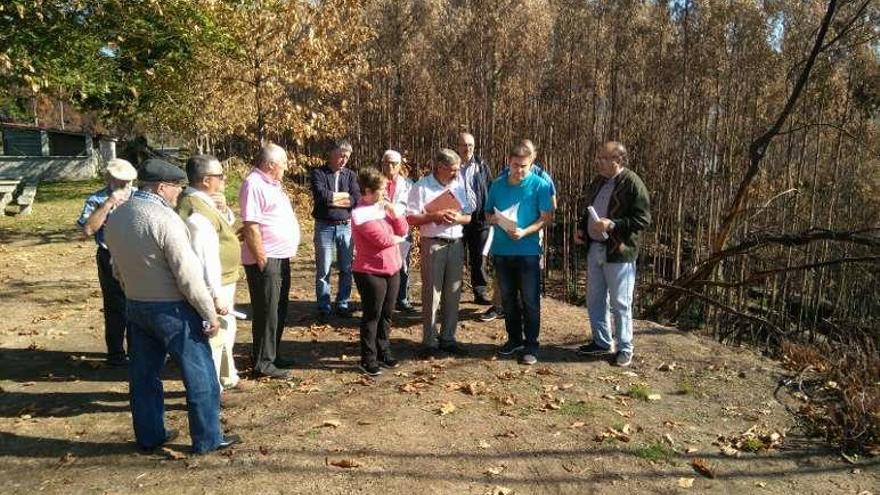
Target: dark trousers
[474, 239]
[378, 293]
[520, 280]
[269, 290]
[114, 305]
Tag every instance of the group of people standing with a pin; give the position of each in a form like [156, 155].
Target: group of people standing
[168, 262]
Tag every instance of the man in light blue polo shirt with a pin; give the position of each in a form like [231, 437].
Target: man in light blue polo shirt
[521, 203]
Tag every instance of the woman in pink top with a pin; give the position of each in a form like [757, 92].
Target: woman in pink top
[376, 230]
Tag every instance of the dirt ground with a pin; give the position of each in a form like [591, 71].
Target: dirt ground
[474, 425]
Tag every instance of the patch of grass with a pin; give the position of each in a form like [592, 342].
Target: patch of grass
[639, 391]
[655, 452]
[56, 209]
[752, 445]
[578, 409]
[686, 387]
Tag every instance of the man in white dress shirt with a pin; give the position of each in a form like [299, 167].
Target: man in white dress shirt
[209, 220]
[442, 251]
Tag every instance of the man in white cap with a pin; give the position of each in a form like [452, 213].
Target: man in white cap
[97, 208]
[397, 192]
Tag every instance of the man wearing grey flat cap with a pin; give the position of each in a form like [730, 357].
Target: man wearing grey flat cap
[169, 311]
[97, 208]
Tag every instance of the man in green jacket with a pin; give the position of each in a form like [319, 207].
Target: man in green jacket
[616, 210]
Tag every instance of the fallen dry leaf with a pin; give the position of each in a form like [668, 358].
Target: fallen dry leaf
[345, 463]
[654, 397]
[494, 471]
[66, 459]
[331, 423]
[686, 482]
[474, 388]
[446, 409]
[729, 451]
[484, 444]
[264, 450]
[174, 455]
[500, 490]
[703, 467]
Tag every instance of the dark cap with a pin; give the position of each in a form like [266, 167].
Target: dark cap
[156, 170]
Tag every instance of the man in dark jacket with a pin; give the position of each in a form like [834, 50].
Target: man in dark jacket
[476, 175]
[616, 210]
[335, 192]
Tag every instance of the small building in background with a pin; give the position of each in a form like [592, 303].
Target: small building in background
[41, 154]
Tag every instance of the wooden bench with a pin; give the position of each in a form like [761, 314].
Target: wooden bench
[8, 187]
[25, 200]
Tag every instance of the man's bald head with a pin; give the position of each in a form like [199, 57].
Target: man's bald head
[272, 160]
[271, 153]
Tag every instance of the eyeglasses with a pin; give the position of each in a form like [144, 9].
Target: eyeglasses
[219, 176]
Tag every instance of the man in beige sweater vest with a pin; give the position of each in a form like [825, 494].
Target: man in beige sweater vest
[209, 220]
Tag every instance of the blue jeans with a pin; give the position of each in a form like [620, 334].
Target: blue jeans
[519, 278]
[329, 237]
[617, 282]
[156, 329]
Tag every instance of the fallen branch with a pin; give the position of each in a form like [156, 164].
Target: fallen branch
[722, 306]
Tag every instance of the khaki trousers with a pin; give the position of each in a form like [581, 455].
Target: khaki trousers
[441, 265]
[224, 341]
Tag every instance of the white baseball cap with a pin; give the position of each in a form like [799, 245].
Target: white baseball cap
[121, 169]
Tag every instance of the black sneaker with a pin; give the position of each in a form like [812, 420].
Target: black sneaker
[284, 363]
[491, 314]
[370, 369]
[276, 373]
[117, 360]
[405, 307]
[454, 348]
[428, 353]
[510, 348]
[229, 441]
[388, 362]
[593, 349]
[170, 435]
[482, 300]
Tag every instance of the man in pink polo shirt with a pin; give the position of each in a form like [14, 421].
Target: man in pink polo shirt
[271, 236]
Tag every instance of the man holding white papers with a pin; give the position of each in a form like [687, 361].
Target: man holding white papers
[335, 192]
[439, 204]
[621, 210]
[521, 203]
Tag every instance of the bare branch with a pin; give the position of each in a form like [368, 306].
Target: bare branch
[722, 306]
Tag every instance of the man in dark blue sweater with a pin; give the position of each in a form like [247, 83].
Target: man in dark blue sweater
[335, 193]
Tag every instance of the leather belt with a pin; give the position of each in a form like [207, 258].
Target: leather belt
[334, 222]
[443, 240]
